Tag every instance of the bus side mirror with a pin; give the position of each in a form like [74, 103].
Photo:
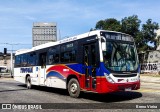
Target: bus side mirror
[103, 46]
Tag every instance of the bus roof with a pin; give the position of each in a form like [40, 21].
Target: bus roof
[49, 44]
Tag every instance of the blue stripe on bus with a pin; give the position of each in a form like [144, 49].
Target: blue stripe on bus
[81, 69]
[54, 74]
[76, 67]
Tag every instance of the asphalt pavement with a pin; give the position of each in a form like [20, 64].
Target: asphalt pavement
[149, 78]
[14, 92]
[146, 79]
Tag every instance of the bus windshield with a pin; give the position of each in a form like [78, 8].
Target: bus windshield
[120, 56]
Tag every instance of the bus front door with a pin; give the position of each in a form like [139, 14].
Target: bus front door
[89, 61]
[42, 60]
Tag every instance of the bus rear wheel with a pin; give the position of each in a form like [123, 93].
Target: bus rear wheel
[74, 88]
[28, 82]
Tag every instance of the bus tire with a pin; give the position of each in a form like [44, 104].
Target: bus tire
[73, 88]
[28, 82]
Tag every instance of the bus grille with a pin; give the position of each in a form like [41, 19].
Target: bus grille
[124, 75]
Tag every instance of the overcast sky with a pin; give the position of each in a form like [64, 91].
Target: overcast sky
[72, 16]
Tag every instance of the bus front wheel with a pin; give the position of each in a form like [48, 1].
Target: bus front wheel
[28, 82]
[74, 88]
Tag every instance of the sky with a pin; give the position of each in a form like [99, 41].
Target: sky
[73, 17]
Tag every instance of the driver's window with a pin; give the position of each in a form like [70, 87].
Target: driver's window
[108, 53]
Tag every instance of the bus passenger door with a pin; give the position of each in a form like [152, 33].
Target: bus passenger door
[42, 61]
[89, 61]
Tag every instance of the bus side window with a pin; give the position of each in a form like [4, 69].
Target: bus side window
[56, 58]
[24, 58]
[32, 59]
[18, 61]
[68, 52]
[53, 55]
[93, 55]
[42, 60]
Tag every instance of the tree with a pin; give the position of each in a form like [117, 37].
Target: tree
[149, 33]
[109, 24]
[140, 44]
[130, 25]
[100, 25]
[158, 40]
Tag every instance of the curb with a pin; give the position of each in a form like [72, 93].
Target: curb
[5, 75]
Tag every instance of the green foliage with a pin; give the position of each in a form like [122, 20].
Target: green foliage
[158, 41]
[148, 31]
[131, 25]
[109, 24]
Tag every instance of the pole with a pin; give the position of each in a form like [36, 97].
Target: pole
[12, 61]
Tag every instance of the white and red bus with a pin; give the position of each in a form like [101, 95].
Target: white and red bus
[97, 61]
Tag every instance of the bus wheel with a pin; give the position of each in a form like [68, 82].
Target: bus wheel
[74, 88]
[28, 82]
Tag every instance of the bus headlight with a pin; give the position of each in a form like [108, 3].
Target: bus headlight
[109, 79]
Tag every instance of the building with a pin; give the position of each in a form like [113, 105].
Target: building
[150, 60]
[5, 60]
[43, 33]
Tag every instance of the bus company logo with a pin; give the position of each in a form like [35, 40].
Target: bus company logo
[127, 80]
[120, 80]
[26, 70]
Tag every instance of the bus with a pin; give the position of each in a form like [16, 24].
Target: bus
[98, 61]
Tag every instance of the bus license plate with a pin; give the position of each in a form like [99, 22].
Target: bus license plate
[128, 89]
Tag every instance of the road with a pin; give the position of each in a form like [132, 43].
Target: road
[14, 92]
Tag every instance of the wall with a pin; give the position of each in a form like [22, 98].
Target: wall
[150, 62]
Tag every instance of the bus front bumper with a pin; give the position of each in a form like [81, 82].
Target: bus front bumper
[107, 87]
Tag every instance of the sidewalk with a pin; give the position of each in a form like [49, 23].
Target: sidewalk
[5, 75]
[6, 78]
[150, 79]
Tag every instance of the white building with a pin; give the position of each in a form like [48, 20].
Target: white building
[5, 60]
[43, 33]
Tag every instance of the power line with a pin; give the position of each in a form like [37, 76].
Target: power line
[16, 43]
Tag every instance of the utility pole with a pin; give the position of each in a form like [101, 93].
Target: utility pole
[11, 62]
[11, 59]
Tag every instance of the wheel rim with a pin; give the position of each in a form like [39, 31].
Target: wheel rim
[73, 88]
